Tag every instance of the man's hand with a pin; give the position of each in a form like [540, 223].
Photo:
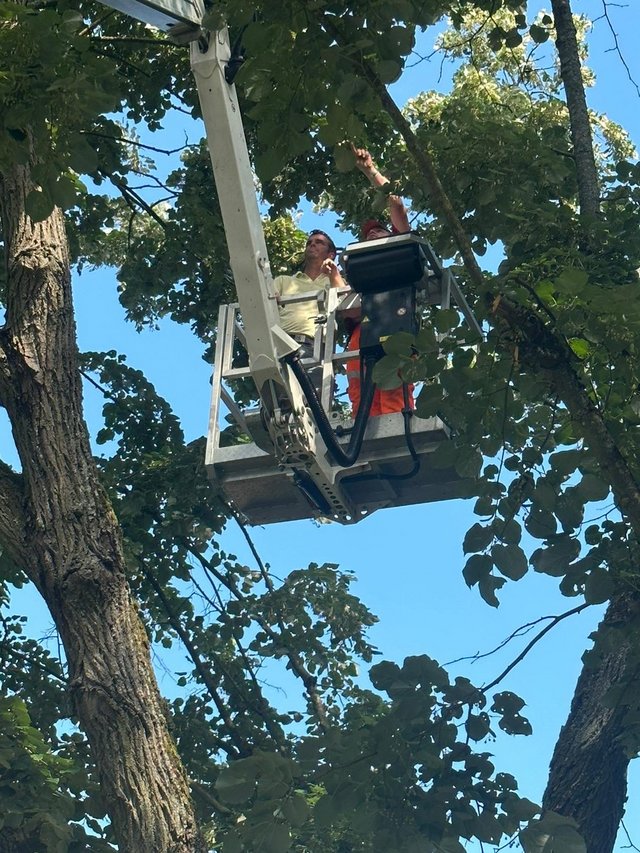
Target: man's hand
[330, 268]
[364, 161]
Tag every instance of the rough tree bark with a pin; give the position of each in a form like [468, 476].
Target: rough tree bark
[588, 773]
[581, 134]
[59, 527]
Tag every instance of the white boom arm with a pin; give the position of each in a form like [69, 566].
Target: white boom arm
[266, 342]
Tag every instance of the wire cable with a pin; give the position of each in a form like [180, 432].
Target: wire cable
[407, 414]
[349, 457]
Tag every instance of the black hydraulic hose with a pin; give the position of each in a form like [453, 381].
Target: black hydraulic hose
[344, 458]
[236, 58]
[407, 414]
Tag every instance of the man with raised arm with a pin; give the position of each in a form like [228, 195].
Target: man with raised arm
[393, 400]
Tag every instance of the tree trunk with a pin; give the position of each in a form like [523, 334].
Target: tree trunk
[70, 544]
[588, 772]
[581, 135]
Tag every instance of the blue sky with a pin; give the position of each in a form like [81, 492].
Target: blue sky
[408, 561]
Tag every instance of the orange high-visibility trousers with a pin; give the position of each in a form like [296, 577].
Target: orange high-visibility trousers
[384, 402]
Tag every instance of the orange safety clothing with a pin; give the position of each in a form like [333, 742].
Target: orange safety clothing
[384, 402]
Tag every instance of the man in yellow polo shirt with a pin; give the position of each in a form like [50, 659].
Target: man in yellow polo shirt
[319, 271]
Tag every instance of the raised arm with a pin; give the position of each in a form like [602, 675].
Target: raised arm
[397, 210]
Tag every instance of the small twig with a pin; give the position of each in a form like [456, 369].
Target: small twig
[98, 21]
[530, 645]
[105, 393]
[242, 747]
[132, 198]
[208, 796]
[137, 40]
[630, 845]
[126, 141]
[519, 632]
[296, 663]
[11, 652]
[618, 50]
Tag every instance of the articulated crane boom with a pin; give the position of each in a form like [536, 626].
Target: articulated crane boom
[293, 432]
[303, 468]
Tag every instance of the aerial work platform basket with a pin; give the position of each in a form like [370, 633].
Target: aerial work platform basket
[276, 463]
[392, 469]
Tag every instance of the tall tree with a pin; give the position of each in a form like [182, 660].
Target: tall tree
[58, 526]
[543, 414]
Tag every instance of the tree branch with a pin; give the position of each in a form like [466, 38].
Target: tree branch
[618, 50]
[135, 143]
[242, 748]
[296, 662]
[532, 643]
[581, 134]
[518, 632]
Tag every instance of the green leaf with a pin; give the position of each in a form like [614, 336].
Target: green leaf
[235, 791]
[385, 372]
[444, 456]
[477, 538]
[539, 34]
[510, 561]
[513, 38]
[592, 488]
[72, 20]
[476, 568]
[429, 401]
[553, 833]
[468, 462]
[507, 702]
[232, 844]
[488, 586]
[326, 812]
[571, 281]
[351, 90]
[478, 726]
[275, 838]
[39, 205]
[344, 158]
[540, 523]
[64, 192]
[389, 71]
[509, 532]
[515, 725]
[520, 808]
[556, 558]
[269, 164]
[384, 674]
[82, 157]
[546, 291]
[296, 809]
[570, 509]
[403, 37]
[599, 586]
[446, 319]
[580, 347]
[400, 344]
